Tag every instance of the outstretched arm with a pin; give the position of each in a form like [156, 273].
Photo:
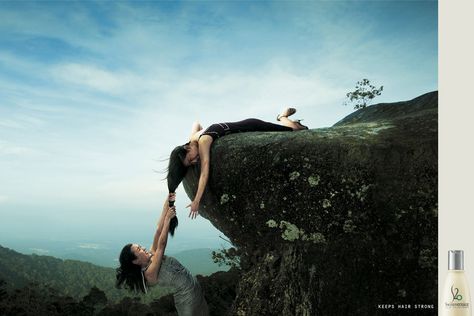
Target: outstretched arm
[159, 228]
[205, 142]
[152, 272]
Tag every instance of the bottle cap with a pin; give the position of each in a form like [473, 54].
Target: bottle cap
[456, 260]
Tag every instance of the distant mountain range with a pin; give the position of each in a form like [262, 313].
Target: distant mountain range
[105, 253]
[76, 278]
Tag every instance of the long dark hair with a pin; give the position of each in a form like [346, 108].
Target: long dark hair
[176, 173]
[129, 275]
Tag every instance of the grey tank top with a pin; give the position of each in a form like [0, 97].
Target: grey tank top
[188, 296]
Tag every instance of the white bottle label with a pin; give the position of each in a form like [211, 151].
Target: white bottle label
[456, 299]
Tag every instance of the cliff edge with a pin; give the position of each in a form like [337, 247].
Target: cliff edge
[331, 221]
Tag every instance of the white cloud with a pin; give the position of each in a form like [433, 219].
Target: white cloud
[90, 246]
[9, 123]
[39, 250]
[9, 149]
[88, 76]
[21, 122]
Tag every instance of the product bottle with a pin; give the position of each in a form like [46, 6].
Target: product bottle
[456, 297]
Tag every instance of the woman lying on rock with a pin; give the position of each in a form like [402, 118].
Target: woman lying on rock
[199, 147]
[140, 269]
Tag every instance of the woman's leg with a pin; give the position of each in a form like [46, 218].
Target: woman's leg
[285, 121]
[256, 125]
[252, 125]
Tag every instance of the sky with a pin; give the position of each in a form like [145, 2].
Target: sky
[95, 95]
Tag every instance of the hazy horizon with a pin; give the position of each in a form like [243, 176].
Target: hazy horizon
[95, 95]
[106, 253]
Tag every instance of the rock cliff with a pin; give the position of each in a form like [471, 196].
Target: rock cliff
[331, 221]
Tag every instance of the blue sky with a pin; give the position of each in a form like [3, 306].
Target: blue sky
[94, 95]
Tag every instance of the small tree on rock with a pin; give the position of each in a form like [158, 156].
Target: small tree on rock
[363, 94]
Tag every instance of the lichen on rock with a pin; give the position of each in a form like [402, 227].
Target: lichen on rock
[326, 203]
[224, 198]
[290, 231]
[349, 226]
[272, 223]
[314, 180]
[294, 175]
[316, 238]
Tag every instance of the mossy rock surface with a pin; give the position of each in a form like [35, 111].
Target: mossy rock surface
[331, 221]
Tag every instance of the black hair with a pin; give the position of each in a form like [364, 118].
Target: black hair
[129, 275]
[176, 173]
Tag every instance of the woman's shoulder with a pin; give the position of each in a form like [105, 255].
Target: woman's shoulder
[207, 138]
[195, 137]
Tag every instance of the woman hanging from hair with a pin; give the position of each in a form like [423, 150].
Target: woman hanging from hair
[199, 147]
[140, 269]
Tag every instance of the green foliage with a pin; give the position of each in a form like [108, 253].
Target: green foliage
[229, 257]
[95, 297]
[37, 299]
[3, 292]
[363, 94]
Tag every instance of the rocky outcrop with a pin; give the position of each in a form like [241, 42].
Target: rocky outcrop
[331, 221]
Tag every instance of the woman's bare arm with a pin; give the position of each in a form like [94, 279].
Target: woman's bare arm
[151, 273]
[159, 228]
[205, 142]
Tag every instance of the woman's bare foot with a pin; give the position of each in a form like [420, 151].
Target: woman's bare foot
[300, 126]
[286, 112]
[294, 125]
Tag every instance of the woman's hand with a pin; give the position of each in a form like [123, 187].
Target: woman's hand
[171, 213]
[170, 198]
[193, 213]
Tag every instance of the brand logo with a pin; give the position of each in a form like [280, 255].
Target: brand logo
[455, 293]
